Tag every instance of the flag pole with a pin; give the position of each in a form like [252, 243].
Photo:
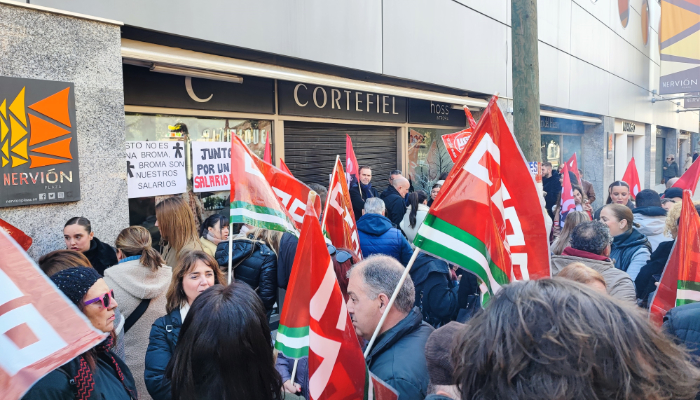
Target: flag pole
[230, 251]
[294, 371]
[328, 197]
[391, 301]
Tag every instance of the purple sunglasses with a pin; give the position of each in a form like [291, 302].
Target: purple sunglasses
[105, 300]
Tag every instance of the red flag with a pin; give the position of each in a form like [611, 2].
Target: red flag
[631, 176]
[680, 281]
[315, 321]
[267, 157]
[19, 236]
[353, 169]
[41, 328]
[510, 230]
[253, 200]
[689, 179]
[455, 142]
[567, 196]
[572, 164]
[338, 217]
[284, 168]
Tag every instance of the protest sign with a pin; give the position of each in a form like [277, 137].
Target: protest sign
[40, 329]
[155, 168]
[455, 142]
[211, 166]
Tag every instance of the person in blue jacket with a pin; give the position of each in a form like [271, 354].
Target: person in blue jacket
[378, 235]
[194, 273]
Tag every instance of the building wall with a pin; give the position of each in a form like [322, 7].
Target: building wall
[86, 53]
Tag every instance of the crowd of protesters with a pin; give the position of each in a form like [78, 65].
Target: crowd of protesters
[177, 330]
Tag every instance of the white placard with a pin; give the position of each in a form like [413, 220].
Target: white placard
[155, 168]
[211, 166]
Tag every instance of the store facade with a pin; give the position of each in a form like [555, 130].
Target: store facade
[306, 123]
[630, 141]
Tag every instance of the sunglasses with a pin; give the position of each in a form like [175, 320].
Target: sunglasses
[106, 299]
[340, 255]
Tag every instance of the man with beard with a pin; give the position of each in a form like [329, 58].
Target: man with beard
[551, 186]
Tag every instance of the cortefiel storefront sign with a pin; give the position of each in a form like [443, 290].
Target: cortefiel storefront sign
[309, 100]
[155, 168]
[38, 143]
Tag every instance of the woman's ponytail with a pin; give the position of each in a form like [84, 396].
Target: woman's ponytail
[415, 199]
[151, 258]
[136, 240]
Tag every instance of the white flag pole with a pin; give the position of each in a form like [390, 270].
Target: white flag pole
[391, 301]
[230, 251]
[294, 371]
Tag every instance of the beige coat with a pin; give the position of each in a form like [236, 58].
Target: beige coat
[132, 282]
[208, 246]
[618, 282]
[171, 258]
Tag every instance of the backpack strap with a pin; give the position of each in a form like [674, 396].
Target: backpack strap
[71, 379]
[138, 312]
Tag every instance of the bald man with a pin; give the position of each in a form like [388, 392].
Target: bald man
[394, 197]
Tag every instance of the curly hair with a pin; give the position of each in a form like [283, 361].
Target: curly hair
[558, 339]
[672, 217]
[591, 236]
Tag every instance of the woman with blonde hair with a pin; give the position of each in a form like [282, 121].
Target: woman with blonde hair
[175, 221]
[573, 218]
[196, 272]
[579, 272]
[140, 282]
[254, 261]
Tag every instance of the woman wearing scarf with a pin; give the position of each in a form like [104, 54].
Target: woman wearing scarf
[98, 373]
[214, 231]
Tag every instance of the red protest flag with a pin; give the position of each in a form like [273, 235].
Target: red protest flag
[284, 168]
[631, 176]
[20, 237]
[567, 202]
[680, 281]
[351, 166]
[289, 190]
[40, 328]
[689, 179]
[455, 142]
[253, 200]
[315, 321]
[572, 164]
[267, 157]
[338, 216]
[510, 231]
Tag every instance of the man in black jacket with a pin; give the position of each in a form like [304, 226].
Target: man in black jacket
[361, 191]
[436, 295]
[394, 201]
[398, 355]
[551, 186]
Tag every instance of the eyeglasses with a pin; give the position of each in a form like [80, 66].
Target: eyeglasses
[106, 299]
[340, 255]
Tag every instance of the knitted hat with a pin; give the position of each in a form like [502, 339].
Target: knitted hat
[673, 192]
[75, 282]
[437, 354]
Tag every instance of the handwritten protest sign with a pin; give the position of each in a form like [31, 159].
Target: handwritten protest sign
[155, 168]
[211, 166]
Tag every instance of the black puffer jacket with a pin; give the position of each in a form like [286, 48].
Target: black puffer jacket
[395, 205]
[253, 263]
[436, 295]
[101, 255]
[644, 283]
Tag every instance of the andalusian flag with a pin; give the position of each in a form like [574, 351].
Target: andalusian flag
[476, 224]
[315, 322]
[253, 200]
[680, 282]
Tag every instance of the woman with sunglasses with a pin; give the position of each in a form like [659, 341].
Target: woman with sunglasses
[98, 373]
[196, 272]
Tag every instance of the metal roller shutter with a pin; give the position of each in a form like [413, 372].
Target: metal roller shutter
[310, 150]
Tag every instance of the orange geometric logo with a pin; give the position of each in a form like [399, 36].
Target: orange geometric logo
[22, 134]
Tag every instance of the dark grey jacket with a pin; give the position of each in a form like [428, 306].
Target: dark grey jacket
[398, 357]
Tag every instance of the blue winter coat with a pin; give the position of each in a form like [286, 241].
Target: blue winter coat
[161, 346]
[378, 236]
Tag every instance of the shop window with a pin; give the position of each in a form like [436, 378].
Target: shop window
[558, 149]
[140, 127]
[427, 157]
[624, 8]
